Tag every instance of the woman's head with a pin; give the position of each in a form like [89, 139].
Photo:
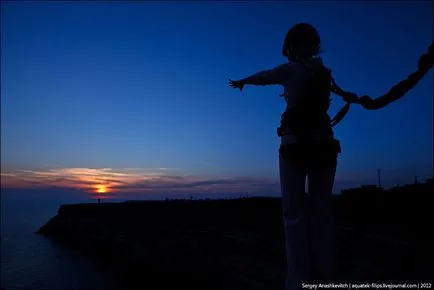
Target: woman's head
[301, 41]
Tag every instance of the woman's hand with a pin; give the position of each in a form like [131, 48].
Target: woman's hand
[348, 97]
[236, 84]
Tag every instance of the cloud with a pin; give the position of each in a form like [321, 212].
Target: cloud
[146, 180]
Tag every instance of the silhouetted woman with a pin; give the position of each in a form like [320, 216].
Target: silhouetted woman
[307, 149]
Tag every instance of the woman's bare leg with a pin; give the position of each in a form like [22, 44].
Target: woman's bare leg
[320, 181]
[295, 218]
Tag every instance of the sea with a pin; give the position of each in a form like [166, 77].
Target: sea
[31, 261]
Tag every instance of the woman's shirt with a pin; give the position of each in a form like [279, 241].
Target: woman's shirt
[294, 77]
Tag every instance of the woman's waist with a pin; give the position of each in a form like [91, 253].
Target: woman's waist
[315, 136]
[313, 146]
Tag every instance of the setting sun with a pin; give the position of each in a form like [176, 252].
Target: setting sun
[101, 189]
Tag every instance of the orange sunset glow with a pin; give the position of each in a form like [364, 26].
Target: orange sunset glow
[100, 188]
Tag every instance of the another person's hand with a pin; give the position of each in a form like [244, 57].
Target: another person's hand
[426, 61]
[366, 101]
[236, 84]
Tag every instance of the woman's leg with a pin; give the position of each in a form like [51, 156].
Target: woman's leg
[294, 205]
[320, 181]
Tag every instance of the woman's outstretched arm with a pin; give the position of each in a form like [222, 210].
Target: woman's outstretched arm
[274, 76]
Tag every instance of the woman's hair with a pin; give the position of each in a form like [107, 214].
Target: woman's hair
[302, 40]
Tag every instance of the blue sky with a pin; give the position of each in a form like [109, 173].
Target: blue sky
[114, 86]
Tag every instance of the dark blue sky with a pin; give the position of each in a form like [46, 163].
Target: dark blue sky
[143, 85]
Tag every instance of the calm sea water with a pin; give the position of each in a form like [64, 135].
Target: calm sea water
[30, 261]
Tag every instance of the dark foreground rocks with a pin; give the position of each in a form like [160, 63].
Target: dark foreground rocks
[222, 244]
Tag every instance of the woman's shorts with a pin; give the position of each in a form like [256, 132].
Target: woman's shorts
[312, 154]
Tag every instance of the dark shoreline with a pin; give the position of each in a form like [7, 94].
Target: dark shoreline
[382, 236]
